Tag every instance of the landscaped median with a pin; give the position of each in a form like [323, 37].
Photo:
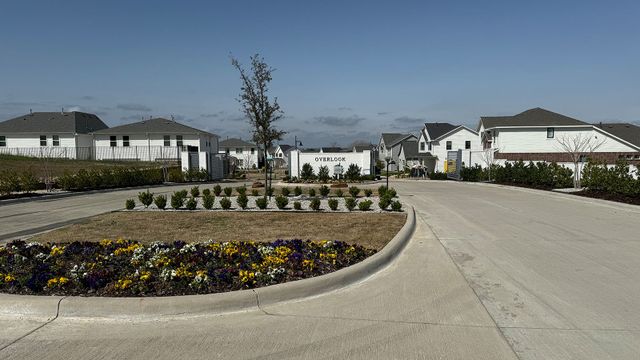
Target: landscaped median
[238, 265]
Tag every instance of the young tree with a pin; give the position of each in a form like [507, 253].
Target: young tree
[307, 172]
[323, 173]
[578, 147]
[488, 158]
[257, 107]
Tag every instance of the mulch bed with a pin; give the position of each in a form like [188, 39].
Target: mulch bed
[608, 196]
[128, 268]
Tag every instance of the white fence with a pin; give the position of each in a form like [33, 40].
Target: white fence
[126, 153]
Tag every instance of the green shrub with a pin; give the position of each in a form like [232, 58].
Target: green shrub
[323, 173]
[130, 204]
[396, 206]
[297, 191]
[261, 203]
[339, 193]
[365, 205]
[217, 190]
[208, 200]
[160, 201]
[354, 191]
[255, 192]
[285, 191]
[282, 202]
[206, 192]
[382, 190]
[176, 175]
[368, 192]
[436, 175]
[297, 205]
[242, 201]
[28, 181]
[269, 191]
[146, 198]
[228, 191]
[314, 204]
[324, 190]
[183, 193]
[307, 172]
[391, 193]
[177, 200]
[191, 204]
[353, 172]
[195, 191]
[225, 203]
[241, 190]
[312, 192]
[384, 202]
[333, 204]
[350, 203]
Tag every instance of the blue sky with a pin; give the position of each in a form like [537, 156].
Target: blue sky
[346, 70]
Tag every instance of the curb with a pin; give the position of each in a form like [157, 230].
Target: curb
[559, 194]
[210, 304]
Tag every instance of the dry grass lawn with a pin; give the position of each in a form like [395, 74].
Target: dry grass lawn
[372, 230]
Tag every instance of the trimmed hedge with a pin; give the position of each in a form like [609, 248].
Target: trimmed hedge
[537, 175]
[616, 180]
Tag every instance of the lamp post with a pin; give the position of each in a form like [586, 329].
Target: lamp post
[389, 162]
[296, 141]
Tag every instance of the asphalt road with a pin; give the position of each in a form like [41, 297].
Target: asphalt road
[491, 273]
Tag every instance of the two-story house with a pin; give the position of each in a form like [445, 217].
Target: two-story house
[389, 147]
[437, 139]
[248, 155]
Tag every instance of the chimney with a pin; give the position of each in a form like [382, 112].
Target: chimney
[62, 111]
[31, 112]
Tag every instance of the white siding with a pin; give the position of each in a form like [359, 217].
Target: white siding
[534, 140]
[470, 157]
[363, 159]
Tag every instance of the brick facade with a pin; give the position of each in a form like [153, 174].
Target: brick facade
[607, 157]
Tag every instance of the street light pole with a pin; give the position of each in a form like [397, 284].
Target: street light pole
[389, 162]
[295, 140]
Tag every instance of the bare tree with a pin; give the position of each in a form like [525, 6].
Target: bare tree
[578, 146]
[488, 158]
[257, 107]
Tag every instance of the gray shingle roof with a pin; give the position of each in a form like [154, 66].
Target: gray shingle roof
[391, 139]
[285, 147]
[153, 126]
[53, 122]
[531, 117]
[624, 131]
[234, 143]
[410, 150]
[437, 129]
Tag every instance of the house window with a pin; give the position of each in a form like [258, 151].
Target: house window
[43, 140]
[3, 141]
[467, 144]
[167, 140]
[253, 151]
[125, 140]
[550, 132]
[56, 140]
[448, 145]
[429, 146]
[179, 140]
[113, 141]
[238, 150]
[422, 146]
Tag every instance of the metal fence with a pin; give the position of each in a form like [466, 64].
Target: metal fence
[128, 153]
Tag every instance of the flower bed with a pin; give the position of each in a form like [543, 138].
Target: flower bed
[127, 268]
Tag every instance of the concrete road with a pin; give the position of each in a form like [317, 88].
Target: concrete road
[491, 273]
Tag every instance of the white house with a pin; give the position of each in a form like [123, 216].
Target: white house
[247, 155]
[160, 139]
[331, 157]
[437, 139]
[50, 134]
[280, 155]
[409, 157]
[389, 147]
[536, 135]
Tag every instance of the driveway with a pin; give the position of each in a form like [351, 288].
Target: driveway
[491, 273]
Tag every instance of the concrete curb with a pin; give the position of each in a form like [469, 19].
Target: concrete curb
[211, 304]
[555, 193]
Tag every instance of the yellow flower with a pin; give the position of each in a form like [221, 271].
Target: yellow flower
[145, 276]
[55, 250]
[52, 282]
[126, 250]
[308, 263]
[183, 272]
[120, 241]
[246, 275]
[60, 281]
[123, 284]
[282, 251]
[9, 278]
[201, 273]
[105, 242]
